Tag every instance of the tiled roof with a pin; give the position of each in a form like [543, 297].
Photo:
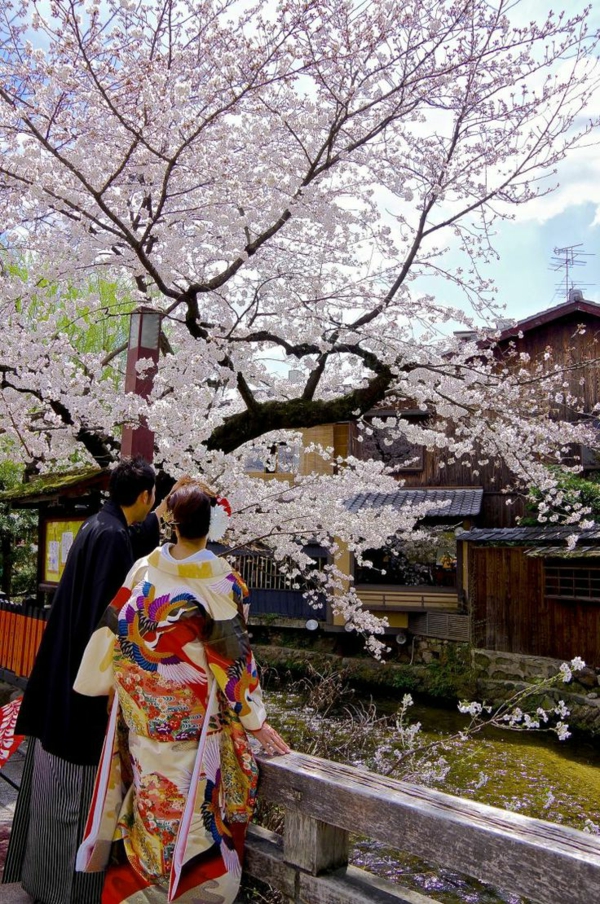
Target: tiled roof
[455, 503]
[561, 552]
[526, 535]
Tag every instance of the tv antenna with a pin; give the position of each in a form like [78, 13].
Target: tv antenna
[569, 259]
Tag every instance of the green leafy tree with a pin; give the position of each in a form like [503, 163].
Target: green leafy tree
[18, 540]
[573, 495]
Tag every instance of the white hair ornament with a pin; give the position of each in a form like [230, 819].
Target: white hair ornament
[220, 514]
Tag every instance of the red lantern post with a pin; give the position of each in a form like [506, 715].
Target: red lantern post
[144, 333]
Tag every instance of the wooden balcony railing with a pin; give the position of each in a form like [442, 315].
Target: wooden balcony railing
[406, 599]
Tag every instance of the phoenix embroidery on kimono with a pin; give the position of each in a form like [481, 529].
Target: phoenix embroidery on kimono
[174, 648]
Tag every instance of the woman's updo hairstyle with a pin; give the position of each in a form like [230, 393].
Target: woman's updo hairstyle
[190, 505]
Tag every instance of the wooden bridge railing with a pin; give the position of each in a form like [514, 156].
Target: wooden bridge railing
[325, 801]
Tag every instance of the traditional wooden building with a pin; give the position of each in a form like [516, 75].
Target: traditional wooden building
[412, 593]
[63, 502]
[565, 337]
[528, 592]
[433, 596]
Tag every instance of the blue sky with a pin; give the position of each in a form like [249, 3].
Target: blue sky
[524, 276]
[526, 283]
[568, 216]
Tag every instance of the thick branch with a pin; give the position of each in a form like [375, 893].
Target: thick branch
[297, 413]
[101, 447]
[315, 377]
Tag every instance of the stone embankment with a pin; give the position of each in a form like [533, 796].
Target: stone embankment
[441, 669]
[449, 671]
[500, 675]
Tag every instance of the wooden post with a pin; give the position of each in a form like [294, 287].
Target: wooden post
[311, 845]
[144, 336]
[344, 560]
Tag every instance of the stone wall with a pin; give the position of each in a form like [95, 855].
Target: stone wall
[449, 670]
[500, 675]
[422, 650]
[443, 673]
[495, 676]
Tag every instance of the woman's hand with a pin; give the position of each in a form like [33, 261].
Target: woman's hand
[161, 509]
[271, 741]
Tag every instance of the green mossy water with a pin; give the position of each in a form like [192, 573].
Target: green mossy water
[528, 772]
[532, 773]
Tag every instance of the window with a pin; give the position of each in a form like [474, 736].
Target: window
[265, 573]
[576, 582]
[431, 563]
[282, 458]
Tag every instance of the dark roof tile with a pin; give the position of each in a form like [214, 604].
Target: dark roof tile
[441, 503]
[527, 535]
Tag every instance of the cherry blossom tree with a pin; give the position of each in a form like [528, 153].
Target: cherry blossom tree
[275, 179]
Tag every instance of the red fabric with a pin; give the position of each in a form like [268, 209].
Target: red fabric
[9, 741]
[120, 883]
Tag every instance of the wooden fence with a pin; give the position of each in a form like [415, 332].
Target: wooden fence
[21, 629]
[325, 801]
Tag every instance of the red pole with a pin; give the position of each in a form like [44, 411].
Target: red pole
[144, 335]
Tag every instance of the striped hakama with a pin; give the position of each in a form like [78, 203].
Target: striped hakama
[48, 826]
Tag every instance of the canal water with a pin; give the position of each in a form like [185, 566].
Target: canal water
[529, 772]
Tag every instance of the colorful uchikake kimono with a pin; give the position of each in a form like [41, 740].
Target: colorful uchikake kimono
[177, 780]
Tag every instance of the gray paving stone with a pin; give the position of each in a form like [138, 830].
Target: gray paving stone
[10, 894]
[14, 894]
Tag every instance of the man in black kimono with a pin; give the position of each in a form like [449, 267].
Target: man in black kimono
[69, 728]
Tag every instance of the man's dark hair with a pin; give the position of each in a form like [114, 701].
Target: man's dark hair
[130, 478]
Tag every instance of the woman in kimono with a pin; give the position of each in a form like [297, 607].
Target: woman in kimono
[176, 785]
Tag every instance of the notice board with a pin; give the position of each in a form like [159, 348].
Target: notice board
[59, 534]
